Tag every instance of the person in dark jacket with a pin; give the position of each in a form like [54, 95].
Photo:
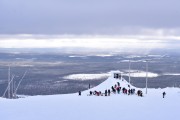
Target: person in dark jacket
[118, 83]
[141, 94]
[113, 89]
[109, 92]
[164, 94]
[90, 93]
[105, 92]
[79, 93]
[129, 92]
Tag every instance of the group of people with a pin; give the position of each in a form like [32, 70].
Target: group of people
[116, 89]
[95, 93]
[128, 91]
[139, 93]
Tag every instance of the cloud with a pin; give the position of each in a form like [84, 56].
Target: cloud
[105, 17]
[88, 42]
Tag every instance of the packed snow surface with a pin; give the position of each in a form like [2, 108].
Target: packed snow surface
[117, 106]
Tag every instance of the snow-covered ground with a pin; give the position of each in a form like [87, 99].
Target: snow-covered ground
[138, 73]
[104, 55]
[174, 74]
[86, 76]
[73, 56]
[117, 106]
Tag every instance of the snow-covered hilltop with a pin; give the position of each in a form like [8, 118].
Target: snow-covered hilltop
[116, 106]
[112, 81]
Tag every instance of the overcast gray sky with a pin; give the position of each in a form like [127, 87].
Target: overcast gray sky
[92, 17]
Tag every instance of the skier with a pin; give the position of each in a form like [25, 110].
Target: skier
[164, 94]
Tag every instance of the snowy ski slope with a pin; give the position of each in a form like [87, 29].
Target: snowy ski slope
[73, 107]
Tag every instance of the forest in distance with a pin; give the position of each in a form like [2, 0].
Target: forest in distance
[47, 73]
